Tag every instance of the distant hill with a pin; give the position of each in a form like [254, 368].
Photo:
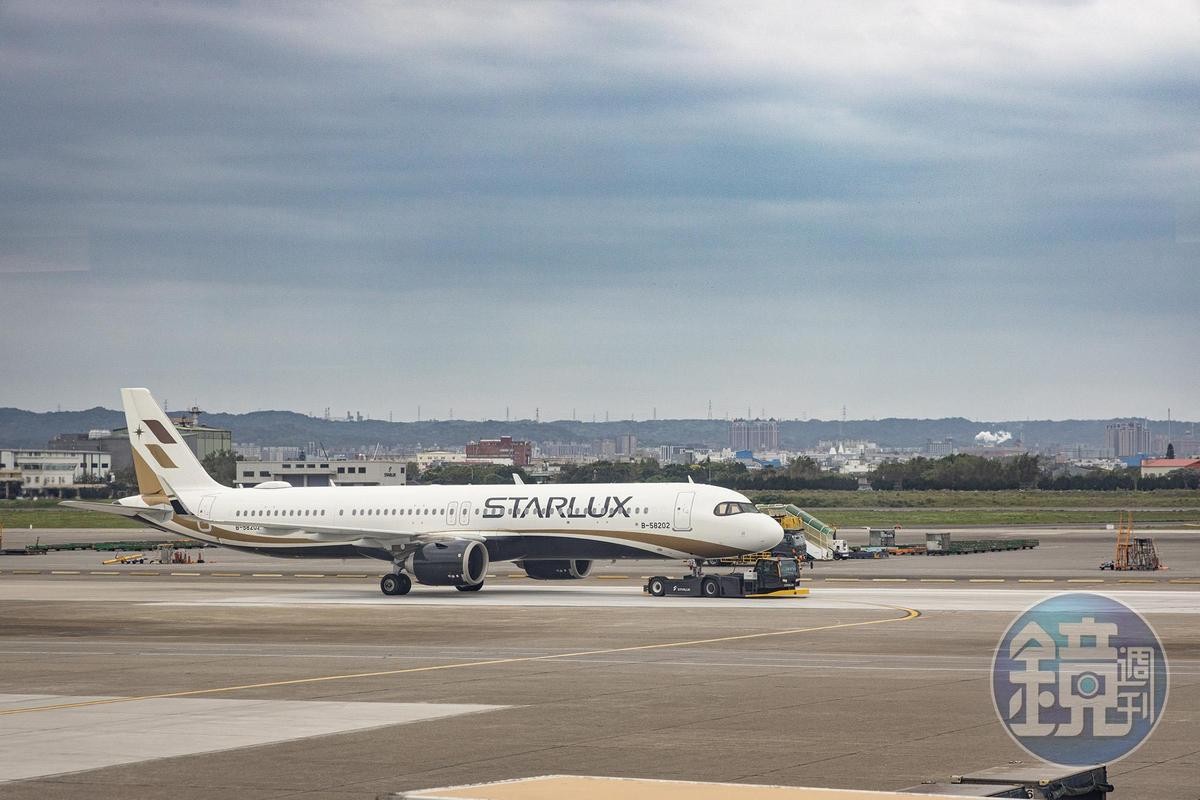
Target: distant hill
[32, 429]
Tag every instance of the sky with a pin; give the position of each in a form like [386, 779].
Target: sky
[988, 210]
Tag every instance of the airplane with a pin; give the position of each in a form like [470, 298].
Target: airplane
[437, 535]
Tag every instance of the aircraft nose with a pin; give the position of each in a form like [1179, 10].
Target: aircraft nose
[771, 532]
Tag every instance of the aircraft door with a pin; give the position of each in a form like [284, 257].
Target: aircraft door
[464, 514]
[683, 511]
[206, 504]
[451, 513]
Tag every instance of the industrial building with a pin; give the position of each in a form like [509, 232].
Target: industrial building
[1164, 466]
[52, 472]
[203, 441]
[323, 472]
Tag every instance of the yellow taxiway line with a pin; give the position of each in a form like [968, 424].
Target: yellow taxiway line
[909, 614]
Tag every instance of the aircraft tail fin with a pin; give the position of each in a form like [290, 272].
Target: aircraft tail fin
[161, 459]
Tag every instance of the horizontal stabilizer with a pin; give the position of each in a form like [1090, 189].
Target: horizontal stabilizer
[119, 510]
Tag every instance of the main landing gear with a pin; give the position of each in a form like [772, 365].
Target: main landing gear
[395, 583]
[398, 583]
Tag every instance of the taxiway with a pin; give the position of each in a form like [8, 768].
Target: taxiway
[132, 684]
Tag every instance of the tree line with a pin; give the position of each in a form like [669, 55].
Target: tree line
[961, 471]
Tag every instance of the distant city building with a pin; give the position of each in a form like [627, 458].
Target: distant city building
[1127, 439]
[53, 472]
[520, 452]
[277, 453]
[436, 458]
[323, 472]
[249, 451]
[940, 448]
[1187, 447]
[565, 453]
[626, 445]
[675, 454]
[755, 435]
[568, 450]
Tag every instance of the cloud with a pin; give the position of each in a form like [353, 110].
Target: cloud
[996, 172]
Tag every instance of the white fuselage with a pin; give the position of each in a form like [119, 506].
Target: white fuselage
[644, 520]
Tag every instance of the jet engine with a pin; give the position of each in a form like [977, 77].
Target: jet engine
[454, 562]
[556, 569]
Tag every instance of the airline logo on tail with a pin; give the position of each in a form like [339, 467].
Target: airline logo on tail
[164, 464]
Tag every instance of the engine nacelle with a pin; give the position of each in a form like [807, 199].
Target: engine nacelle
[454, 562]
[556, 569]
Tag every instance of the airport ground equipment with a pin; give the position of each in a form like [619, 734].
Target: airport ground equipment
[942, 544]
[1037, 781]
[1043, 781]
[868, 552]
[1132, 552]
[881, 537]
[35, 549]
[128, 558]
[820, 540]
[770, 577]
[792, 546]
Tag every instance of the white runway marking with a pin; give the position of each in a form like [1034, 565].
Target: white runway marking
[844, 599]
[844, 596]
[51, 742]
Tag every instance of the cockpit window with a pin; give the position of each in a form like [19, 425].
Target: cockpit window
[729, 509]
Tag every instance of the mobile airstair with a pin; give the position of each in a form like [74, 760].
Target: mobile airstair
[820, 540]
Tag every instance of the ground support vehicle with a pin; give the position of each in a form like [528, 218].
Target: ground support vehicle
[952, 548]
[128, 558]
[770, 577]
